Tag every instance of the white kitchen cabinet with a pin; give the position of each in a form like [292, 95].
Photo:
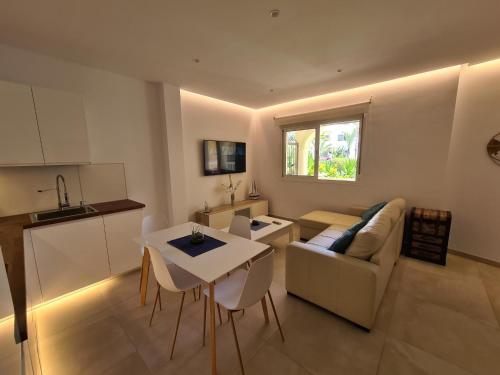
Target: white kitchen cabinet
[33, 291]
[121, 228]
[6, 307]
[19, 137]
[62, 125]
[70, 255]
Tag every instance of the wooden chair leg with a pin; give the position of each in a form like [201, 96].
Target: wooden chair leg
[159, 295]
[177, 326]
[264, 309]
[194, 294]
[140, 279]
[220, 316]
[276, 315]
[204, 318]
[154, 306]
[236, 342]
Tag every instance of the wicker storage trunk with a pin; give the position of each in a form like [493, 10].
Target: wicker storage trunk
[428, 232]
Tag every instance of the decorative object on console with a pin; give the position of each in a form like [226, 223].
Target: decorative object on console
[206, 209]
[231, 189]
[254, 194]
[428, 233]
[493, 148]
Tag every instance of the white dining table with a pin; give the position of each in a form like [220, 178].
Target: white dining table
[208, 266]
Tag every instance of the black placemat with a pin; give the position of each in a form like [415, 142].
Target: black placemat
[259, 226]
[184, 244]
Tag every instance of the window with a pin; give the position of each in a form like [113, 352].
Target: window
[336, 156]
[300, 152]
[339, 150]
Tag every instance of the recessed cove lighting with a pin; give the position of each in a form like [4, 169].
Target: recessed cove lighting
[274, 13]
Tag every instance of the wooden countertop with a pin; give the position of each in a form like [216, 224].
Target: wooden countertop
[11, 242]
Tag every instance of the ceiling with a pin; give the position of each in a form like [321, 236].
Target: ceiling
[244, 53]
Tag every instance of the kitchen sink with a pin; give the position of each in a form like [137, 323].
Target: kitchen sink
[57, 214]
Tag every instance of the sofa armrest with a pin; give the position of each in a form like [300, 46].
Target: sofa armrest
[337, 282]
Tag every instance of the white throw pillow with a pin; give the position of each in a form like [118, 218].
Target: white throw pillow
[399, 202]
[392, 211]
[371, 237]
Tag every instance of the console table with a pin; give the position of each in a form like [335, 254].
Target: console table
[220, 217]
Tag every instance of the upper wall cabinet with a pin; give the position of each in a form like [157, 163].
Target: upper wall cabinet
[63, 130]
[19, 138]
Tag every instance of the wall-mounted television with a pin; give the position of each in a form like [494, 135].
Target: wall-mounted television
[223, 157]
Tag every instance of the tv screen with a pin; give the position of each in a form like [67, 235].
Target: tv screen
[222, 157]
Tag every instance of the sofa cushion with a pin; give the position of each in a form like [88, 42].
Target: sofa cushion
[341, 244]
[334, 231]
[323, 219]
[323, 241]
[372, 211]
[394, 208]
[371, 237]
[392, 211]
[399, 202]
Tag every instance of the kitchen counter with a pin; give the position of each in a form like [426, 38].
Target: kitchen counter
[11, 242]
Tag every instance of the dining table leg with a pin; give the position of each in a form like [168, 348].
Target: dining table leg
[146, 261]
[213, 348]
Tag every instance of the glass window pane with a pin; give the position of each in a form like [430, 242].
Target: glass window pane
[300, 154]
[338, 151]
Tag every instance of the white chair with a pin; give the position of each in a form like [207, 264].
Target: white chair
[174, 279]
[240, 226]
[243, 289]
[152, 223]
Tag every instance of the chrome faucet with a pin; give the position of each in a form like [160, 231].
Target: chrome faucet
[60, 177]
[60, 203]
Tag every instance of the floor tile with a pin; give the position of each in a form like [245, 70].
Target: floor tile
[87, 348]
[447, 334]
[132, 365]
[465, 295]
[326, 344]
[400, 358]
[270, 361]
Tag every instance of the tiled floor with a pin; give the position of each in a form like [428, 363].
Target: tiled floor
[433, 320]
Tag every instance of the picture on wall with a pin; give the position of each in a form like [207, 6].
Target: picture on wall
[223, 157]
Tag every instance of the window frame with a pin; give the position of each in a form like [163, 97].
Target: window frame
[316, 125]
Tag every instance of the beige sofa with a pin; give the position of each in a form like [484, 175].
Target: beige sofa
[351, 285]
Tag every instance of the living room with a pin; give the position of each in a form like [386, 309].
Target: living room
[423, 113]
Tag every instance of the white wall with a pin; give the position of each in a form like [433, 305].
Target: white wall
[173, 151]
[123, 117]
[404, 153]
[207, 118]
[92, 183]
[473, 192]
